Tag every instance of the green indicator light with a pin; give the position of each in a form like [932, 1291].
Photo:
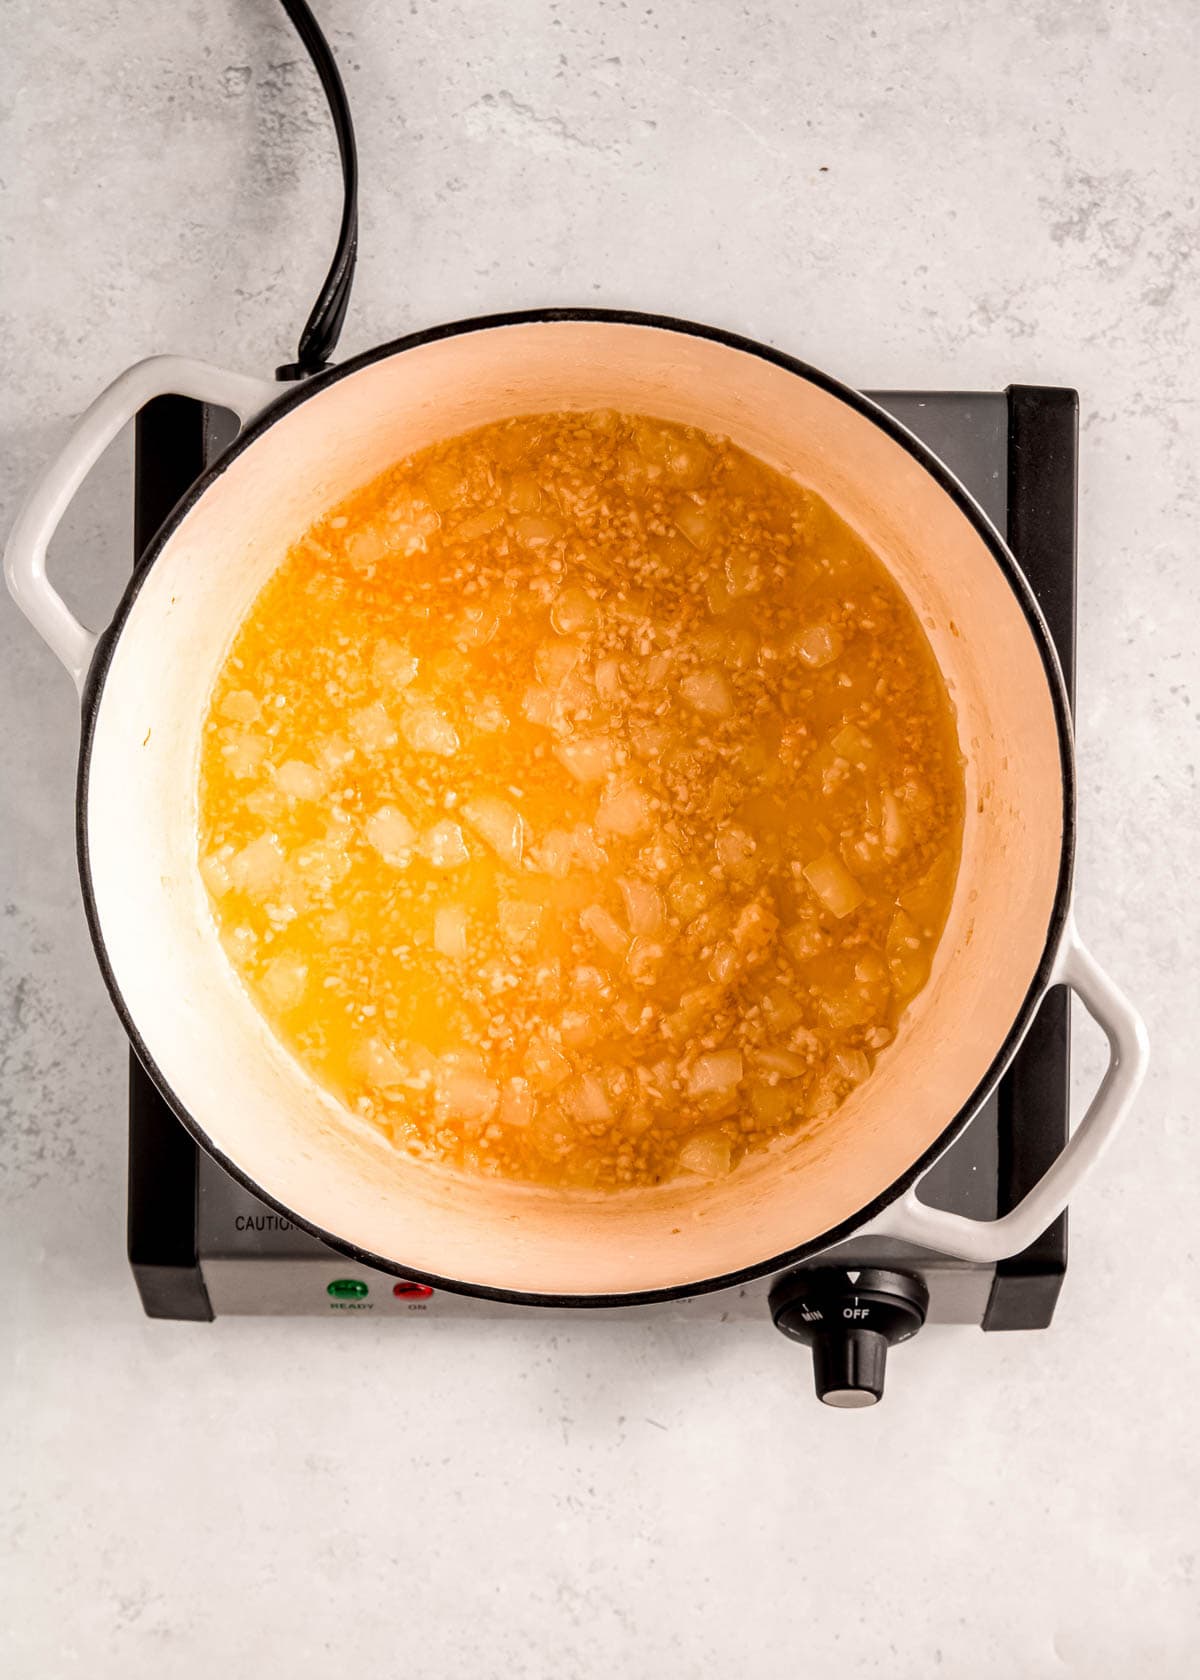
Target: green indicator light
[347, 1289]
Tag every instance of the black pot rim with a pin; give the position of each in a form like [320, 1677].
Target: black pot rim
[291, 398]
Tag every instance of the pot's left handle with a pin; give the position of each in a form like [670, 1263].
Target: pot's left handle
[25, 552]
[996, 1239]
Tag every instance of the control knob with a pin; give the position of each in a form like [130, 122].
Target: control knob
[849, 1319]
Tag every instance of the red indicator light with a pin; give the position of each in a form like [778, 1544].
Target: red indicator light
[405, 1291]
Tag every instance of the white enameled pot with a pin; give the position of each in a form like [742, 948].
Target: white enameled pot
[144, 684]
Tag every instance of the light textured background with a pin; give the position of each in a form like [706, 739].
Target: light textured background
[930, 194]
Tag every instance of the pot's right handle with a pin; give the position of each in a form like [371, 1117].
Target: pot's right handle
[986, 1240]
[25, 552]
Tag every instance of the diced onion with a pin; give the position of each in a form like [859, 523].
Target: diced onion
[243, 754]
[624, 809]
[555, 659]
[772, 1103]
[460, 1093]
[285, 980]
[734, 845]
[846, 1006]
[267, 803]
[605, 928]
[754, 931]
[258, 867]
[584, 848]
[908, 955]
[642, 960]
[445, 483]
[818, 645]
[742, 575]
[688, 462]
[450, 931]
[853, 1065]
[392, 836]
[545, 1065]
[524, 493]
[869, 968]
[588, 1101]
[214, 867]
[578, 1027]
[240, 706]
[708, 691]
[428, 730]
[574, 609]
[650, 740]
[896, 829]
[288, 900]
[707, 1154]
[925, 901]
[850, 742]
[608, 680]
[489, 716]
[588, 758]
[477, 625]
[805, 940]
[444, 846]
[716, 594]
[367, 547]
[323, 863]
[393, 666]
[684, 457]
[785, 1062]
[863, 853]
[240, 943]
[781, 1010]
[689, 893]
[715, 1074]
[375, 1062]
[372, 728]
[333, 752]
[823, 1097]
[590, 981]
[833, 884]
[498, 823]
[516, 1103]
[478, 524]
[709, 642]
[538, 706]
[519, 921]
[554, 855]
[413, 521]
[643, 905]
[300, 780]
[695, 523]
[535, 530]
[335, 928]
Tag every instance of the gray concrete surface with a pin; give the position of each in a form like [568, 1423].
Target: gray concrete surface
[937, 194]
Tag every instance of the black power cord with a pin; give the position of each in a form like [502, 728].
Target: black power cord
[324, 324]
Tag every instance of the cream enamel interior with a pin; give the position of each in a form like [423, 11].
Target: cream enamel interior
[207, 1039]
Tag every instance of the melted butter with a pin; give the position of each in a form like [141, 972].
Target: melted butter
[581, 802]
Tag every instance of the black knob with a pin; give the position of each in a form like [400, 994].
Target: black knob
[849, 1319]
